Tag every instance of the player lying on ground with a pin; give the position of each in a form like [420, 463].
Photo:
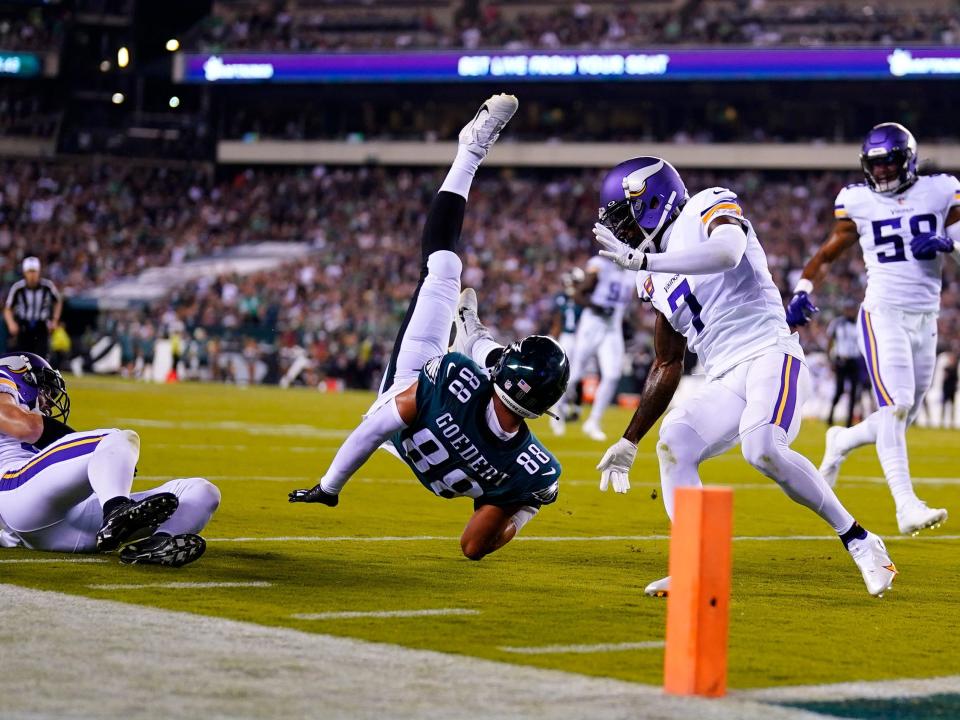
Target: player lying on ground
[67, 491]
[706, 275]
[905, 223]
[458, 420]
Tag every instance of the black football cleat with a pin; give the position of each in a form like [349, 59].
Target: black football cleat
[135, 520]
[169, 550]
[315, 494]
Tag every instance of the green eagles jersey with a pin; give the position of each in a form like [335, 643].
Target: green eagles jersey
[454, 453]
[569, 312]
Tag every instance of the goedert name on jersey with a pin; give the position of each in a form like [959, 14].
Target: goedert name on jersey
[454, 454]
[886, 225]
[726, 317]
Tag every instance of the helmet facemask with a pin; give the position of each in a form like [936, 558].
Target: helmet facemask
[888, 171]
[52, 398]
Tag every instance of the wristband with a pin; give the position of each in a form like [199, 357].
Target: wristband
[53, 430]
[803, 285]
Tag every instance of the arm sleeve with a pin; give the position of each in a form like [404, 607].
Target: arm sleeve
[12, 295]
[370, 434]
[721, 252]
[53, 291]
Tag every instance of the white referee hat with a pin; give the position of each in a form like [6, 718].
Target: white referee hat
[31, 263]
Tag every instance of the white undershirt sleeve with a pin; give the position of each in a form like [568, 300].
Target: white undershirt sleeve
[721, 252]
[370, 434]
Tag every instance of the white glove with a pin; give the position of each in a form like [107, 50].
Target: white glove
[615, 465]
[621, 253]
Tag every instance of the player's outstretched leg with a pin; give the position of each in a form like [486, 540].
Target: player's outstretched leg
[176, 542]
[425, 330]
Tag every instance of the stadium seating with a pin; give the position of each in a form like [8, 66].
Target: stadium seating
[318, 25]
[97, 224]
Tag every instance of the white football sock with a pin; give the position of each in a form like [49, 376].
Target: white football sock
[892, 451]
[678, 449]
[482, 348]
[112, 464]
[863, 433]
[766, 448]
[460, 176]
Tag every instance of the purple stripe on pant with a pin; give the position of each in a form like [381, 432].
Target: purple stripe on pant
[789, 376]
[69, 451]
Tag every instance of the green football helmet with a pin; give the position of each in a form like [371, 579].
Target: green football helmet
[531, 375]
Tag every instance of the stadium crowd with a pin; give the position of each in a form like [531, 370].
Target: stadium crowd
[297, 26]
[340, 308]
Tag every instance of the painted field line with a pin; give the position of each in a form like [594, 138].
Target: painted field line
[584, 649]
[180, 585]
[550, 538]
[298, 430]
[46, 561]
[357, 614]
[895, 688]
[873, 480]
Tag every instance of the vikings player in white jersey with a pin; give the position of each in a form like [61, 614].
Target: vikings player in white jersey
[704, 271]
[604, 294]
[67, 491]
[906, 224]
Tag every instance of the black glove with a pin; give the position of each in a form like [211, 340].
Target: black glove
[314, 495]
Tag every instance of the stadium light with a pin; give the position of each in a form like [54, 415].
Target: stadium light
[123, 57]
[105, 66]
[174, 102]
[117, 98]
[173, 45]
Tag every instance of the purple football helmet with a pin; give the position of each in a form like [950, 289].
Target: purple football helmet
[40, 386]
[639, 199]
[889, 158]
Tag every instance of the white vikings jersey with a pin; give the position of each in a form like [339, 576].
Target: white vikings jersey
[726, 317]
[887, 223]
[614, 285]
[13, 451]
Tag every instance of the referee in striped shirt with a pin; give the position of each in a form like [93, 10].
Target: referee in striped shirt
[33, 309]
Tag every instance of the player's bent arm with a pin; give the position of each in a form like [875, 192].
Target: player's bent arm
[369, 435]
[843, 236]
[491, 527]
[722, 251]
[662, 380]
[18, 423]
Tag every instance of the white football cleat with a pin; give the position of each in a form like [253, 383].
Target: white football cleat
[558, 426]
[658, 588]
[916, 516]
[878, 570]
[591, 428]
[482, 132]
[467, 321]
[832, 457]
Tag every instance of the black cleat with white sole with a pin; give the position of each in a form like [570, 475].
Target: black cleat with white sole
[169, 550]
[135, 520]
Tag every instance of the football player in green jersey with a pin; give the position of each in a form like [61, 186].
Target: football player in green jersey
[457, 418]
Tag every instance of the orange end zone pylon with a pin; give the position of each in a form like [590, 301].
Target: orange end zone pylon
[698, 604]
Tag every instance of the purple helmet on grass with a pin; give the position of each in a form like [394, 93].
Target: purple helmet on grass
[889, 158]
[39, 385]
[639, 199]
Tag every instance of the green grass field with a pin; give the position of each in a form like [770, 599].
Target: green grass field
[800, 613]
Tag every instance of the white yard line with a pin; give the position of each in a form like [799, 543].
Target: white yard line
[856, 690]
[359, 614]
[551, 538]
[207, 667]
[46, 561]
[180, 585]
[584, 649]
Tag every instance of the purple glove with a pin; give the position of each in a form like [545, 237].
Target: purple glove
[799, 310]
[926, 247]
